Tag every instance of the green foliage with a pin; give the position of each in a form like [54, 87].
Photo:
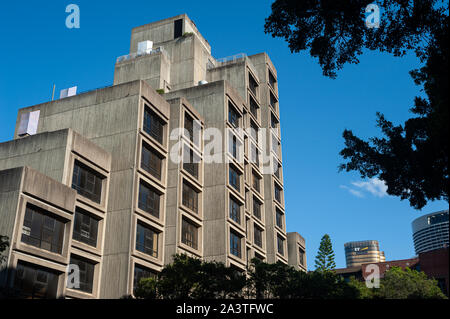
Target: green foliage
[412, 159]
[160, 91]
[191, 278]
[188, 34]
[325, 255]
[400, 283]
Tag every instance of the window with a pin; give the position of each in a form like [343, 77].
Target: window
[235, 244]
[35, 282]
[273, 121]
[85, 227]
[151, 161]
[153, 125]
[256, 208]
[280, 245]
[276, 169]
[301, 255]
[256, 182]
[86, 273]
[254, 153]
[253, 107]
[233, 115]
[234, 177]
[252, 84]
[146, 240]
[272, 80]
[235, 210]
[87, 182]
[148, 200]
[190, 197]
[189, 234]
[279, 218]
[277, 193]
[42, 231]
[177, 28]
[275, 145]
[254, 130]
[234, 147]
[190, 162]
[141, 272]
[273, 101]
[189, 126]
[258, 236]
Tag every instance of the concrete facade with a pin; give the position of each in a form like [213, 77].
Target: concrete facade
[144, 144]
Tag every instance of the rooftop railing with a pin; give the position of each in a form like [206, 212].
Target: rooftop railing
[131, 56]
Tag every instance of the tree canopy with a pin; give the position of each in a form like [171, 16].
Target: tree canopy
[412, 159]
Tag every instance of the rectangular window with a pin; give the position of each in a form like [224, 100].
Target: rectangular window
[254, 131]
[177, 28]
[85, 227]
[273, 121]
[42, 231]
[254, 154]
[254, 107]
[279, 218]
[277, 193]
[190, 197]
[146, 240]
[273, 101]
[149, 200]
[189, 126]
[234, 147]
[252, 84]
[141, 272]
[276, 168]
[190, 162]
[235, 244]
[258, 236]
[301, 255]
[189, 234]
[35, 282]
[234, 177]
[151, 161]
[272, 80]
[256, 182]
[235, 210]
[256, 208]
[87, 182]
[153, 125]
[233, 115]
[87, 269]
[280, 245]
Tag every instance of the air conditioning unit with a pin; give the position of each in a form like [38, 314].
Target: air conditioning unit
[68, 92]
[145, 47]
[28, 123]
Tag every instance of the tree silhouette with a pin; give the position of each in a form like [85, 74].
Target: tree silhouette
[325, 256]
[412, 159]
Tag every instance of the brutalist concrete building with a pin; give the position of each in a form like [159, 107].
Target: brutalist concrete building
[171, 158]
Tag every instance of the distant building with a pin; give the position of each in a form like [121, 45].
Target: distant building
[363, 252]
[296, 251]
[430, 231]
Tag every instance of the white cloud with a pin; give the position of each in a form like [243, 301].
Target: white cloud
[374, 186]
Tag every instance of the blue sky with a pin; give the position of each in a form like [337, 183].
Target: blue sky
[38, 50]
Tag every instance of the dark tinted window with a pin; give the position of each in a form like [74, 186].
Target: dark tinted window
[148, 199]
[258, 236]
[233, 115]
[235, 210]
[279, 219]
[146, 240]
[35, 282]
[42, 231]
[86, 273]
[190, 162]
[87, 182]
[178, 28]
[190, 197]
[153, 125]
[151, 161]
[189, 234]
[141, 272]
[235, 244]
[85, 227]
[234, 179]
[256, 208]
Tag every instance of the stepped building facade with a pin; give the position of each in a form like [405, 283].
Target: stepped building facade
[182, 154]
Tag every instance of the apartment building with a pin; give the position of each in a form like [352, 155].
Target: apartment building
[132, 175]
